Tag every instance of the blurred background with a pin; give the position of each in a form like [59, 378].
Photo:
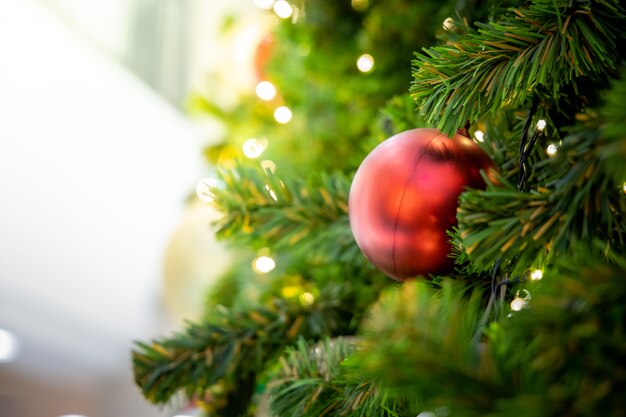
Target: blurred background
[98, 244]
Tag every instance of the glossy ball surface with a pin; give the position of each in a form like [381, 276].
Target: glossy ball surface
[404, 199]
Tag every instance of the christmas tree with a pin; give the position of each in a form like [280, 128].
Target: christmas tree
[524, 316]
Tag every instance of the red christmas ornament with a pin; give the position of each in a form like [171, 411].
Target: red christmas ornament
[404, 198]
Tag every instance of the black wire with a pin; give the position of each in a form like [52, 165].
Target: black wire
[515, 280]
[496, 269]
[526, 147]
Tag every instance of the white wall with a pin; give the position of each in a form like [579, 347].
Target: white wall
[94, 168]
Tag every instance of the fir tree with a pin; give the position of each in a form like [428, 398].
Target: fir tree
[531, 322]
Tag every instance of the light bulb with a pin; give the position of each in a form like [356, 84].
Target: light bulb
[360, 5]
[265, 90]
[541, 124]
[306, 298]
[282, 114]
[253, 148]
[283, 9]
[272, 193]
[552, 149]
[204, 189]
[365, 63]
[517, 304]
[268, 165]
[448, 24]
[536, 275]
[479, 135]
[263, 264]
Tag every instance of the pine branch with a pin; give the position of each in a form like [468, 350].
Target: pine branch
[420, 340]
[612, 153]
[545, 46]
[578, 201]
[563, 355]
[312, 383]
[218, 361]
[307, 218]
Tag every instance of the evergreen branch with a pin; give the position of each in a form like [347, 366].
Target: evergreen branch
[578, 202]
[305, 384]
[503, 63]
[310, 217]
[419, 339]
[612, 153]
[205, 353]
[562, 355]
[312, 383]
[228, 354]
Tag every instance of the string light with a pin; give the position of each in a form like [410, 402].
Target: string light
[306, 298]
[360, 5]
[263, 264]
[448, 24]
[253, 148]
[268, 165]
[272, 193]
[204, 189]
[541, 124]
[624, 187]
[283, 9]
[552, 149]
[479, 135]
[265, 90]
[536, 275]
[264, 4]
[365, 63]
[518, 303]
[282, 114]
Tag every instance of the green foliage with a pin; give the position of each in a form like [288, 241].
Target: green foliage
[561, 356]
[218, 361]
[547, 47]
[311, 382]
[423, 337]
[310, 216]
[576, 199]
[313, 65]
[445, 345]
[612, 152]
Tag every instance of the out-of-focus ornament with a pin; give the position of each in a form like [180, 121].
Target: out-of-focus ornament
[404, 199]
[193, 262]
[262, 56]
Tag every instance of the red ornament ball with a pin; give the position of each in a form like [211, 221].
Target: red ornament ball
[404, 198]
